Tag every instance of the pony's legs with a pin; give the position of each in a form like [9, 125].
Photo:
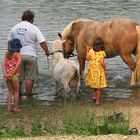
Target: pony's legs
[78, 86]
[66, 85]
[58, 88]
[67, 88]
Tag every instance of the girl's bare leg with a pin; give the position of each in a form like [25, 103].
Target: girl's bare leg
[97, 95]
[93, 95]
[9, 96]
[16, 95]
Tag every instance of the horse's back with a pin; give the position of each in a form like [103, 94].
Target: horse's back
[124, 35]
[123, 26]
[64, 68]
[119, 35]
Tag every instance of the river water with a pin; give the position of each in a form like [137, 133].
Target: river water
[52, 16]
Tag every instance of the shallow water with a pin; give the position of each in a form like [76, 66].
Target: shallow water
[52, 17]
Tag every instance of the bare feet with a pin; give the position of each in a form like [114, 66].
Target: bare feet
[8, 110]
[94, 99]
[98, 104]
[17, 110]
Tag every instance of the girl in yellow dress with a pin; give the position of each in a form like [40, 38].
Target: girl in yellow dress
[96, 71]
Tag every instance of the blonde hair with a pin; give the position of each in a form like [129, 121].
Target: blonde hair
[68, 28]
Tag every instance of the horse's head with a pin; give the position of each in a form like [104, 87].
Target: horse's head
[68, 46]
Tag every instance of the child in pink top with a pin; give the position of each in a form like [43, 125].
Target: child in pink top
[10, 66]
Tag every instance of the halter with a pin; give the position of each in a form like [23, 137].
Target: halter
[56, 52]
[70, 55]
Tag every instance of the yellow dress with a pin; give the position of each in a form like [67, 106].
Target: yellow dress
[95, 75]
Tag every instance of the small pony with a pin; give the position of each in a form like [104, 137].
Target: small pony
[65, 72]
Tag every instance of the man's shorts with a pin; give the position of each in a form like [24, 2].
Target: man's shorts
[29, 68]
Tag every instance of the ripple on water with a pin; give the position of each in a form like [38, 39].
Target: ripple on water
[52, 17]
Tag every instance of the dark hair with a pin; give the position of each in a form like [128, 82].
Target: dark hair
[98, 44]
[28, 15]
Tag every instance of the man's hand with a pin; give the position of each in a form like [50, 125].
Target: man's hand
[47, 53]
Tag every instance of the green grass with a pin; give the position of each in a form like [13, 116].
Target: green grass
[85, 122]
[69, 119]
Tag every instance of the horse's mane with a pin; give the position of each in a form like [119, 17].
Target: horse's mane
[68, 28]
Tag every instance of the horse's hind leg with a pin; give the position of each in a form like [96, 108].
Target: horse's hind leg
[133, 81]
[128, 59]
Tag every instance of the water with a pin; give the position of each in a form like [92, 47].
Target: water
[52, 16]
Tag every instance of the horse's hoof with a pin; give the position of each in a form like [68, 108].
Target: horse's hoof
[94, 100]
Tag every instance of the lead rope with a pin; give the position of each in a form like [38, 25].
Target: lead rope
[48, 62]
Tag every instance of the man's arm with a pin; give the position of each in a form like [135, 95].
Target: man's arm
[44, 46]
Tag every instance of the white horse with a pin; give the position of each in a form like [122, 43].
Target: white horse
[65, 72]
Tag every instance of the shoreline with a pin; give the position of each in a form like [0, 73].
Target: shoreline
[127, 106]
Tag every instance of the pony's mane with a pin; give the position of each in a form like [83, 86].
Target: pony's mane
[68, 28]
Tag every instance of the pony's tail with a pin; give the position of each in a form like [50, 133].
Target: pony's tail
[138, 55]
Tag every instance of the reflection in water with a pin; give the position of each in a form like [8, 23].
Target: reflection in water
[52, 17]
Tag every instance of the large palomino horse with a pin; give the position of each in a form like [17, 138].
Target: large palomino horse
[120, 37]
[65, 72]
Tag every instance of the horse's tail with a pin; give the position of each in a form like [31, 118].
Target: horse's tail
[138, 70]
[138, 55]
[135, 76]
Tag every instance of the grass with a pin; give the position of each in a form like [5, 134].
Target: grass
[87, 122]
[67, 119]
